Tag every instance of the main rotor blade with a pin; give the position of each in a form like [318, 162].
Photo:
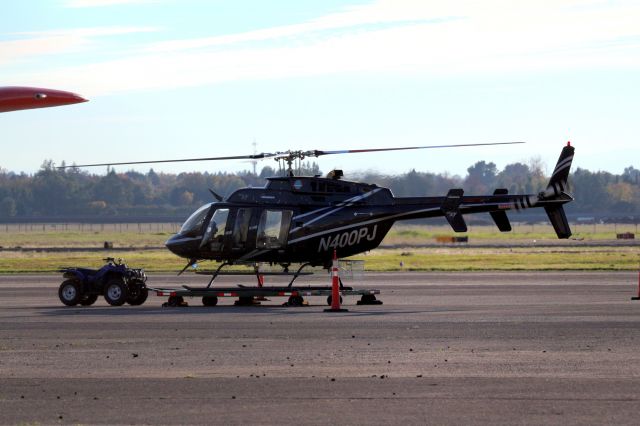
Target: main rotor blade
[234, 157]
[318, 153]
[288, 154]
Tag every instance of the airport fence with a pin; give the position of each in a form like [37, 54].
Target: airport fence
[173, 227]
[142, 228]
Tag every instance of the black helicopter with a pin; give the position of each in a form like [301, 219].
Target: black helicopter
[303, 219]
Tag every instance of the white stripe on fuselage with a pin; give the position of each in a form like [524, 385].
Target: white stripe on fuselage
[325, 208]
[394, 216]
[342, 205]
[359, 224]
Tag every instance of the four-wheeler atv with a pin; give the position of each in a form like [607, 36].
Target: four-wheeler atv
[115, 281]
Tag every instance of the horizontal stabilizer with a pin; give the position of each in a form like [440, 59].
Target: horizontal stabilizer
[559, 221]
[450, 208]
[501, 220]
[500, 217]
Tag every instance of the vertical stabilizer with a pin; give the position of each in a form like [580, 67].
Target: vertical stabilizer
[556, 195]
[558, 182]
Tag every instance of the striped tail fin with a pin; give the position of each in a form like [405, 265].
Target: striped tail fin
[556, 191]
[558, 182]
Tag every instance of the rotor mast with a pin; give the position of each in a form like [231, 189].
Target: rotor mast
[287, 159]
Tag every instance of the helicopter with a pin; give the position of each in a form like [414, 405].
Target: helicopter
[305, 219]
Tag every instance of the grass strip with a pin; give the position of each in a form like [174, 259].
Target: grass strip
[378, 260]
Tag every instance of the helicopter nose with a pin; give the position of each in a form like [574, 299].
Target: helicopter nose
[183, 246]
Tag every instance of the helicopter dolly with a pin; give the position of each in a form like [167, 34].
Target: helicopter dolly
[303, 219]
[250, 295]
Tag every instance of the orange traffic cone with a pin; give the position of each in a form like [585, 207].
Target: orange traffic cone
[260, 284]
[335, 287]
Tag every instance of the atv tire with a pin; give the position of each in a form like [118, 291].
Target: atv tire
[70, 292]
[116, 291]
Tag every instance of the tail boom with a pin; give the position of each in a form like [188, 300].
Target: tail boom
[551, 199]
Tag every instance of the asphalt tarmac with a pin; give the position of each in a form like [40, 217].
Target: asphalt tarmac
[445, 348]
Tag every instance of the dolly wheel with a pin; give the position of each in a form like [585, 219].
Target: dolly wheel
[330, 299]
[69, 292]
[295, 301]
[209, 300]
[88, 299]
[369, 299]
[137, 294]
[176, 301]
[115, 292]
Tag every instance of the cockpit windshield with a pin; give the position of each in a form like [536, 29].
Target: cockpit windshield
[195, 221]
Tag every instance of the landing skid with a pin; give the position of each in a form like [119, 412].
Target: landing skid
[218, 272]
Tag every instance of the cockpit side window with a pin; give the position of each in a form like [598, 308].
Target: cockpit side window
[214, 236]
[219, 223]
[193, 225]
[273, 228]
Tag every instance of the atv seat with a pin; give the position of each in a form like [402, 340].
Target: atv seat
[87, 271]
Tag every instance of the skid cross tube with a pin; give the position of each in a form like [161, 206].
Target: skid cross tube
[216, 273]
[297, 274]
[257, 271]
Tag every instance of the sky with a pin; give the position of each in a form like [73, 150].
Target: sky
[189, 78]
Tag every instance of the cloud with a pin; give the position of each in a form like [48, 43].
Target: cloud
[397, 37]
[37, 44]
[101, 3]
[354, 18]
[16, 50]
[89, 32]
[536, 21]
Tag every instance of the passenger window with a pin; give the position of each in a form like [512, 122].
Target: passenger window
[273, 228]
[241, 228]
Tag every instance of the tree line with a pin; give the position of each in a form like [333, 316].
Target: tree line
[69, 193]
